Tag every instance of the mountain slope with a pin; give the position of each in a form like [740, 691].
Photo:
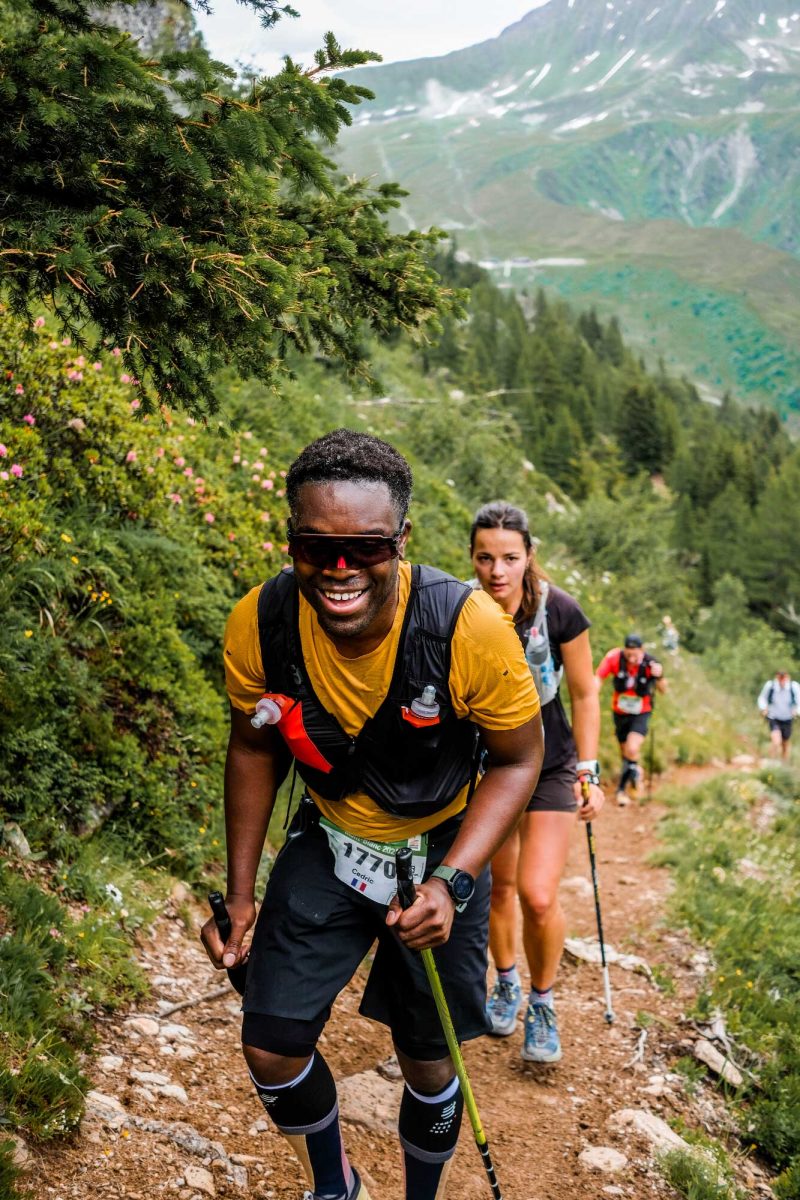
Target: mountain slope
[580, 126]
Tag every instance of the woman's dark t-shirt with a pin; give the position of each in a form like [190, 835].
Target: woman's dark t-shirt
[565, 621]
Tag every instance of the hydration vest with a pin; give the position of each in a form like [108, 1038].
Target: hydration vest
[546, 675]
[639, 697]
[410, 767]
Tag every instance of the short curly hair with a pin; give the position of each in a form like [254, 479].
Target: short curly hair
[346, 455]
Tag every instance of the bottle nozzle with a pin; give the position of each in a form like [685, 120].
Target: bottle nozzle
[268, 712]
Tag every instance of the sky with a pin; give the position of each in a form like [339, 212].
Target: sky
[397, 30]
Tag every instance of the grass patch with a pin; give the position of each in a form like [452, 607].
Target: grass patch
[734, 846]
[698, 1175]
[65, 955]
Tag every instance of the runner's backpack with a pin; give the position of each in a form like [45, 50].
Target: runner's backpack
[539, 652]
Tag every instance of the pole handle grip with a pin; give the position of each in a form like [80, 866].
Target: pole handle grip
[406, 892]
[222, 919]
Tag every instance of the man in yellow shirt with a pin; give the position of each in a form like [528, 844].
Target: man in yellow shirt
[381, 680]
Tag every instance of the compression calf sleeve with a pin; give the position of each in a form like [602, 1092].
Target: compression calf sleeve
[306, 1112]
[428, 1129]
[628, 773]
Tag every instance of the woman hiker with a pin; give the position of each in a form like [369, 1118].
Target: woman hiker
[554, 632]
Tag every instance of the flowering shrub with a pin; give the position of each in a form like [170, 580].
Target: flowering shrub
[125, 540]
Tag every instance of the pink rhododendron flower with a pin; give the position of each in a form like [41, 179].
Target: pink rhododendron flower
[160, 452]
[3, 450]
[75, 376]
[175, 497]
[247, 435]
[263, 450]
[4, 475]
[266, 546]
[283, 474]
[20, 391]
[135, 404]
[237, 458]
[231, 537]
[125, 377]
[66, 341]
[38, 323]
[258, 466]
[53, 345]
[179, 462]
[284, 549]
[16, 470]
[54, 933]
[256, 478]
[97, 366]
[131, 456]
[268, 484]
[265, 516]
[198, 483]
[150, 470]
[191, 421]
[188, 472]
[80, 361]
[116, 352]
[281, 492]
[210, 518]
[29, 418]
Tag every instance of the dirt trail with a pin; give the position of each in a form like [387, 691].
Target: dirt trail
[538, 1120]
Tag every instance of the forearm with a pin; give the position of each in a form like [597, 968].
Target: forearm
[499, 801]
[251, 784]
[586, 725]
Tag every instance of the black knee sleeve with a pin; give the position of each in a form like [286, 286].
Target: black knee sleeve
[306, 1104]
[628, 772]
[429, 1125]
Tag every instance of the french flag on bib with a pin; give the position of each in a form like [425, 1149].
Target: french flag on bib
[358, 884]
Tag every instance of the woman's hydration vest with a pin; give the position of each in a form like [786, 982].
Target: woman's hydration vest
[638, 698]
[410, 765]
[538, 651]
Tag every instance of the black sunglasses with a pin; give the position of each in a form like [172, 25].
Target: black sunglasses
[337, 551]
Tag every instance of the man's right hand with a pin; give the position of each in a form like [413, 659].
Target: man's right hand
[224, 955]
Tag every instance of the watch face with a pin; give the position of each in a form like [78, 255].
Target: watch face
[463, 885]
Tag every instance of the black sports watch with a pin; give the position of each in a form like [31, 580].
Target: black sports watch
[460, 885]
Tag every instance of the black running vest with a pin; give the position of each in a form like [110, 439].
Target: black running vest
[409, 770]
[644, 681]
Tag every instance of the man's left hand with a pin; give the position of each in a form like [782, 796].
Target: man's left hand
[428, 921]
[590, 808]
[656, 670]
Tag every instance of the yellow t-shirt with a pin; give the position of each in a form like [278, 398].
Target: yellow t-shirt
[490, 683]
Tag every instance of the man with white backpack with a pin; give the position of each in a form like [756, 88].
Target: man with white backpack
[779, 702]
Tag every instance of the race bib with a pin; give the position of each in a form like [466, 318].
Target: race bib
[369, 867]
[632, 705]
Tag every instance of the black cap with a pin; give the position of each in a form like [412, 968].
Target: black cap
[633, 641]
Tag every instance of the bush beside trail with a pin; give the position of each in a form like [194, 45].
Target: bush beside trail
[734, 845]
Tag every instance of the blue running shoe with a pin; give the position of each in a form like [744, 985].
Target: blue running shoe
[542, 1043]
[503, 1006]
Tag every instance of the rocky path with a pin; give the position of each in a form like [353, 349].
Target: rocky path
[173, 1113]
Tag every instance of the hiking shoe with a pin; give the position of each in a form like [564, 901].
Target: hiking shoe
[503, 1006]
[622, 798]
[542, 1043]
[357, 1192]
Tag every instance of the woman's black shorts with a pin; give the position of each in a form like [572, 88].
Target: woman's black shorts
[312, 933]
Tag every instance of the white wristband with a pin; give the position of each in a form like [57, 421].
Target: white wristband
[589, 764]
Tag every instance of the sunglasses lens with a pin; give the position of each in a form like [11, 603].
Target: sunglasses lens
[327, 552]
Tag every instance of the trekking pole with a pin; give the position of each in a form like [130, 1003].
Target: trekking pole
[237, 975]
[650, 762]
[406, 893]
[609, 1013]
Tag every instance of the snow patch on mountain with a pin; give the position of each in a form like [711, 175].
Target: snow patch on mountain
[542, 74]
[593, 87]
[580, 122]
[744, 160]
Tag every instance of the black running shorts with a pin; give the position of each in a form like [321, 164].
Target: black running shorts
[312, 933]
[624, 724]
[784, 727]
[554, 791]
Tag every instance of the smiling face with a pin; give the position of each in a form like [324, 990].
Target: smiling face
[354, 605]
[499, 557]
[633, 655]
